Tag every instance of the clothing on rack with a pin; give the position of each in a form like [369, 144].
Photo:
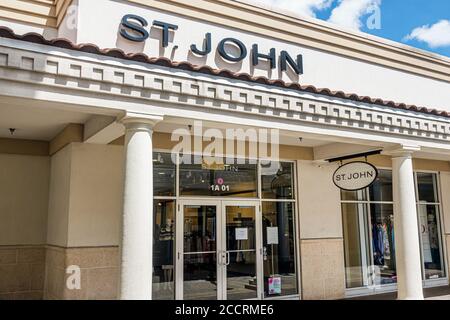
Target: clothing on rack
[383, 243]
[378, 244]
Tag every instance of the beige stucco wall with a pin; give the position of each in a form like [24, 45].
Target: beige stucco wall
[24, 188]
[95, 195]
[84, 220]
[58, 208]
[86, 196]
[318, 201]
[321, 243]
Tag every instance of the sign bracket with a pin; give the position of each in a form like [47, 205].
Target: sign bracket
[355, 156]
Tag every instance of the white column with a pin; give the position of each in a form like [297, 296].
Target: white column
[137, 228]
[407, 248]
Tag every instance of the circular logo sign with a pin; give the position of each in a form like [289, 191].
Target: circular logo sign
[355, 176]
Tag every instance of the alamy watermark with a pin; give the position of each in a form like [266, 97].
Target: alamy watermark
[374, 17]
[73, 281]
[71, 19]
[213, 146]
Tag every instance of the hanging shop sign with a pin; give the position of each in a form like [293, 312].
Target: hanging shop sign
[137, 29]
[355, 176]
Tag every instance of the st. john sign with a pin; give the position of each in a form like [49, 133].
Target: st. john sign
[355, 176]
[136, 29]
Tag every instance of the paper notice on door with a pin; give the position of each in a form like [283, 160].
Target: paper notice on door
[241, 233]
[272, 235]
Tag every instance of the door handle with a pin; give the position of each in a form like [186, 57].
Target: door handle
[223, 258]
[227, 260]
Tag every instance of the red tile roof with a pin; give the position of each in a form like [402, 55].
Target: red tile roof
[161, 61]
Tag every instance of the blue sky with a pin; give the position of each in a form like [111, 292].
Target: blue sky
[424, 24]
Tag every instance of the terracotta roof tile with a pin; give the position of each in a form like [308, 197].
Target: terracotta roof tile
[161, 61]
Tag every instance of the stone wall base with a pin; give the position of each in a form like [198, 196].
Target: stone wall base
[323, 269]
[99, 273]
[22, 272]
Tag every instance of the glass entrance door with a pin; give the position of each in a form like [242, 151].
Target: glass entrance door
[239, 243]
[197, 276]
[218, 250]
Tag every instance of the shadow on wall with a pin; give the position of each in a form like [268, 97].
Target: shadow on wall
[129, 46]
[223, 64]
[196, 60]
[139, 47]
[156, 34]
[263, 65]
[293, 77]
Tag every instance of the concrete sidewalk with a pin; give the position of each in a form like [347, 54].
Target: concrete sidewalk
[447, 297]
[438, 293]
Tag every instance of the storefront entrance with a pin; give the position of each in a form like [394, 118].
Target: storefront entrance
[219, 250]
[224, 232]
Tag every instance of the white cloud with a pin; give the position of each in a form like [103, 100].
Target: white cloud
[301, 7]
[437, 35]
[349, 13]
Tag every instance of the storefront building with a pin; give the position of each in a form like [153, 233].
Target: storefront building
[110, 114]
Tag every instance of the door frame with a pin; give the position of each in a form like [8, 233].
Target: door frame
[220, 244]
[179, 244]
[258, 245]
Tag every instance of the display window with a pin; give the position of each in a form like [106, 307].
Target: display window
[164, 175]
[428, 209]
[279, 247]
[369, 233]
[277, 180]
[163, 249]
[368, 221]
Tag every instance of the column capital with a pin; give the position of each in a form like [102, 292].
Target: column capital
[133, 120]
[402, 150]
